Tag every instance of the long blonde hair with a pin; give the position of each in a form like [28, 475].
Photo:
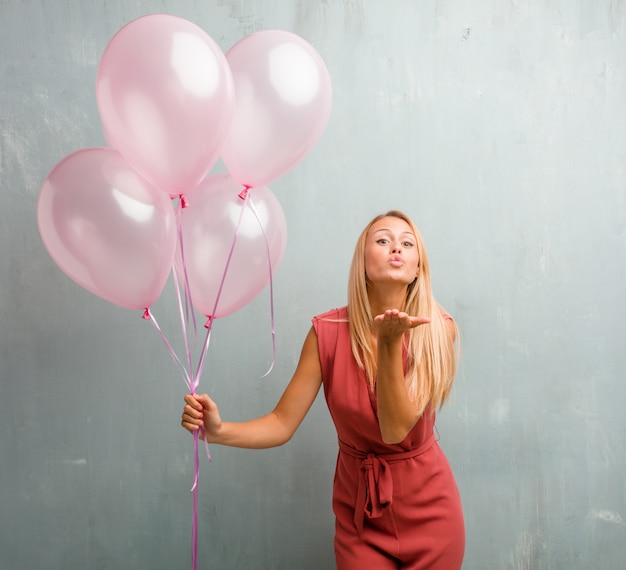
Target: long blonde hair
[431, 352]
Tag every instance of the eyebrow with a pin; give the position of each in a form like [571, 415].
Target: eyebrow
[401, 233]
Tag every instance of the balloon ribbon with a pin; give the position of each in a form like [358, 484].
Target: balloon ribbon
[185, 310]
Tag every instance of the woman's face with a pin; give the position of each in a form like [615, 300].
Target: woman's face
[391, 252]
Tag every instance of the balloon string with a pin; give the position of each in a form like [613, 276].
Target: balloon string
[194, 490]
[188, 302]
[147, 315]
[269, 266]
[196, 381]
[196, 475]
[244, 195]
[188, 306]
[184, 312]
[181, 314]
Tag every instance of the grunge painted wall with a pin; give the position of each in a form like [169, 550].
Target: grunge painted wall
[500, 126]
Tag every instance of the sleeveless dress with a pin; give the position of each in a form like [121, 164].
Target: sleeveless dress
[396, 505]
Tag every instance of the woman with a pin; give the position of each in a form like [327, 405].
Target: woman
[385, 371]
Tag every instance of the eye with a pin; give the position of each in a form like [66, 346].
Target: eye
[382, 241]
[408, 244]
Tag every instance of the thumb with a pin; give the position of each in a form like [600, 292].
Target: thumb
[417, 321]
[205, 401]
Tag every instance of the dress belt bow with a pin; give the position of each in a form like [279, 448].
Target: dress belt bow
[375, 488]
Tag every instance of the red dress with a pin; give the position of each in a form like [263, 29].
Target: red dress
[396, 505]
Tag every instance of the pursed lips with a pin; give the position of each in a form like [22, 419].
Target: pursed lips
[396, 261]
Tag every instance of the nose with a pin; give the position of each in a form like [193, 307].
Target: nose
[395, 248]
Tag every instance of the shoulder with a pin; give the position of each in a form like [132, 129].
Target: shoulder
[451, 326]
[329, 323]
[445, 315]
[340, 314]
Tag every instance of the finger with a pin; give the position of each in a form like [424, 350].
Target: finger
[192, 400]
[189, 426]
[417, 321]
[388, 315]
[192, 417]
[193, 412]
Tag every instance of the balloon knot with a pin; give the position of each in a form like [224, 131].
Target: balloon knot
[244, 193]
[146, 314]
[208, 322]
[183, 201]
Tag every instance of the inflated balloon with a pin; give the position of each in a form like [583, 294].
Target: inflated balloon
[215, 217]
[283, 98]
[165, 96]
[108, 228]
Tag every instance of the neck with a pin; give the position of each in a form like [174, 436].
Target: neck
[389, 298]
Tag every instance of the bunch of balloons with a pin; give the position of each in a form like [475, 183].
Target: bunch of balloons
[171, 104]
[119, 219]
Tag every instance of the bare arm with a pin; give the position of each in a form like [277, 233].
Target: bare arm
[397, 413]
[273, 429]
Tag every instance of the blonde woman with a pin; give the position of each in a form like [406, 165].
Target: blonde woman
[387, 362]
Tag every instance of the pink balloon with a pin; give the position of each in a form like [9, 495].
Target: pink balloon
[107, 228]
[209, 225]
[165, 96]
[283, 99]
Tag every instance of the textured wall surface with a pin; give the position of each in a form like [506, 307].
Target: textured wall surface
[500, 126]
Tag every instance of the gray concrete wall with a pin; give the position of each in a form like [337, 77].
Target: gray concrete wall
[500, 126]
